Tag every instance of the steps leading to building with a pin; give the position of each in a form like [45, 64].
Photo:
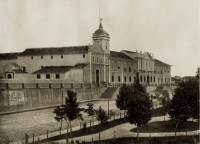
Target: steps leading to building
[109, 92]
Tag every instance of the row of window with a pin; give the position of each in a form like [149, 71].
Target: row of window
[153, 79]
[48, 76]
[98, 60]
[126, 79]
[118, 67]
[52, 57]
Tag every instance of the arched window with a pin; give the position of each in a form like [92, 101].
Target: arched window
[9, 76]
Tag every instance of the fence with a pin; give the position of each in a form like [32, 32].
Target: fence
[76, 125]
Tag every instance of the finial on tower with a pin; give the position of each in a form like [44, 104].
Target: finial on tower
[100, 24]
[100, 19]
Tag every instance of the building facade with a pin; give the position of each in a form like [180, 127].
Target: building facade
[94, 63]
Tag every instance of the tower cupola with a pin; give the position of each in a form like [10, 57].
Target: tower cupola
[101, 37]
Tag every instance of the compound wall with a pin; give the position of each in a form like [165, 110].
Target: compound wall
[20, 96]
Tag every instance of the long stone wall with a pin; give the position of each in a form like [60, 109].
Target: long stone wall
[23, 96]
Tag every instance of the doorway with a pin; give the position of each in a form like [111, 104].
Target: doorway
[97, 77]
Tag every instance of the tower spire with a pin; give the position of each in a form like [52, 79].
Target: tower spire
[100, 19]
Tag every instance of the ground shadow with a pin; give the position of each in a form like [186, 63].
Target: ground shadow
[167, 126]
[93, 130]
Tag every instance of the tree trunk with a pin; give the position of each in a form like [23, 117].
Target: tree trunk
[176, 127]
[137, 134]
[67, 132]
[61, 124]
[70, 128]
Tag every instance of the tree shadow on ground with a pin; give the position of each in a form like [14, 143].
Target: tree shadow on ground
[88, 131]
[167, 126]
[161, 111]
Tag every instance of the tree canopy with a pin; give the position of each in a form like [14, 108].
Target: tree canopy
[185, 102]
[90, 110]
[101, 115]
[164, 98]
[139, 106]
[122, 97]
[68, 111]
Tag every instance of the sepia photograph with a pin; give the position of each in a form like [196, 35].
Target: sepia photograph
[99, 71]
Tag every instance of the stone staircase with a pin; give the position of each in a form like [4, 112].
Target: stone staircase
[109, 92]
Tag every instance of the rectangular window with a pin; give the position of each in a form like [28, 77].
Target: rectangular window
[118, 78]
[38, 76]
[140, 78]
[101, 60]
[113, 78]
[130, 79]
[47, 76]
[129, 69]
[93, 59]
[83, 56]
[57, 76]
[118, 65]
[51, 57]
[154, 79]
[41, 57]
[31, 57]
[61, 56]
[158, 80]
[124, 78]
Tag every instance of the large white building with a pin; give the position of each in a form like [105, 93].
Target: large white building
[94, 63]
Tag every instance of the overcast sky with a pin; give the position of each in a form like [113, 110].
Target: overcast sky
[167, 28]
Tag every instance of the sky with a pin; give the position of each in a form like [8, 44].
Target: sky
[169, 29]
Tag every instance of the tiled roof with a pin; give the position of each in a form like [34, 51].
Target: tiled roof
[80, 65]
[8, 56]
[60, 69]
[159, 63]
[55, 50]
[114, 54]
[53, 69]
[19, 71]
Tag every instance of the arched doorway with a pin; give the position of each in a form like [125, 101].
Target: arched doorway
[9, 76]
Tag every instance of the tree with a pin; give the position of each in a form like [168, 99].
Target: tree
[122, 97]
[139, 106]
[184, 104]
[69, 111]
[90, 110]
[60, 115]
[164, 101]
[101, 115]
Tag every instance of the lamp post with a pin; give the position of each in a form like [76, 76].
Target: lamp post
[108, 107]
[199, 85]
